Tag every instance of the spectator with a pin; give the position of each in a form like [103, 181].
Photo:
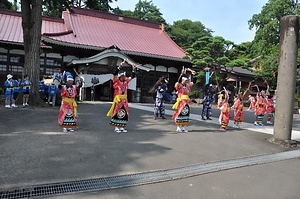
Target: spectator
[8, 85]
[52, 91]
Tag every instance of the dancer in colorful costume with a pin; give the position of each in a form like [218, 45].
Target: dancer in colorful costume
[225, 112]
[251, 100]
[238, 107]
[270, 106]
[260, 107]
[183, 87]
[119, 112]
[209, 90]
[67, 118]
[160, 88]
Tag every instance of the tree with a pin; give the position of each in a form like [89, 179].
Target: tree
[5, 4]
[266, 41]
[32, 24]
[146, 10]
[211, 53]
[55, 7]
[185, 32]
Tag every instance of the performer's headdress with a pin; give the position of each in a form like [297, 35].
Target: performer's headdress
[185, 78]
[70, 78]
[121, 73]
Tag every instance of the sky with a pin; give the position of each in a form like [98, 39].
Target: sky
[227, 18]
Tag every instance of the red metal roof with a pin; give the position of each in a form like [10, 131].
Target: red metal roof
[92, 29]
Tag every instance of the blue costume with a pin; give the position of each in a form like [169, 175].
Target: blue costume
[208, 99]
[16, 85]
[26, 84]
[9, 90]
[43, 90]
[159, 106]
[52, 91]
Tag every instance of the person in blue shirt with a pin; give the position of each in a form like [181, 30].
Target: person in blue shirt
[43, 90]
[57, 77]
[26, 84]
[16, 84]
[52, 91]
[8, 85]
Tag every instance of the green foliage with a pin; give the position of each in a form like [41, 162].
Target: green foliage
[266, 41]
[5, 4]
[236, 63]
[267, 24]
[185, 32]
[194, 94]
[144, 10]
[55, 7]
[1, 91]
[269, 66]
[297, 97]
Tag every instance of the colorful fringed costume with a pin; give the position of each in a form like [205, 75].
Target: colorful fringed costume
[67, 117]
[119, 110]
[182, 113]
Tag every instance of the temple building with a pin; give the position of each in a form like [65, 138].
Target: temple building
[94, 43]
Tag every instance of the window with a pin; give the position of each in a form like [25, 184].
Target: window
[3, 57]
[16, 69]
[42, 61]
[2, 69]
[49, 71]
[15, 59]
[52, 62]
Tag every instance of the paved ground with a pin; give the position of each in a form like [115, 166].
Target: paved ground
[34, 151]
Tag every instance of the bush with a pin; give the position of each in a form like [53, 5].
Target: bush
[1, 91]
[194, 94]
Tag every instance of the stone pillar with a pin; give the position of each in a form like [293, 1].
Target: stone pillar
[286, 80]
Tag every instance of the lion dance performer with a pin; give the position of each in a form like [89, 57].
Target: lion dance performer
[119, 110]
[182, 113]
[67, 117]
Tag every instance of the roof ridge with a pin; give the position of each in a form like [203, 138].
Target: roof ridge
[19, 14]
[115, 17]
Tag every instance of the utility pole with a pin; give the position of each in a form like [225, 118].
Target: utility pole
[286, 80]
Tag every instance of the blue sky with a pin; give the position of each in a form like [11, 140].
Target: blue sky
[227, 18]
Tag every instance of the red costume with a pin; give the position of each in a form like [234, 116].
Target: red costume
[270, 109]
[224, 115]
[119, 109]
[251, 99]
[239, 111]
[181, 115]
[67, 117]
[260, 110]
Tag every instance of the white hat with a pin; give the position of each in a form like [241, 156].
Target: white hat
[121, 74]
[9, 76]
[184, 78]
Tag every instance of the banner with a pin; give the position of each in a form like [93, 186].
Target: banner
[89, 80]
[207, 77]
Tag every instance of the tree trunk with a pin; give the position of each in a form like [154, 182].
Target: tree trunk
[32, 25]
